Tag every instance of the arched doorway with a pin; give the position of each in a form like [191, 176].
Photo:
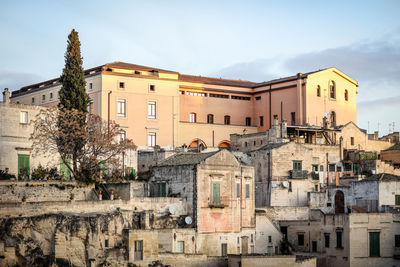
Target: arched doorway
[225, 144]
[339, 202]
[197, 142]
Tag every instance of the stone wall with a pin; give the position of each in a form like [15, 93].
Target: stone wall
[42, 191]
[273, 261]
[287, 213]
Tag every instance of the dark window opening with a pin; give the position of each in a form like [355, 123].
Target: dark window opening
[210, 118]
[261, 121]
[293, 118]
[319, 90]
[339, 240]
[152, 87]
[122, 85]
[258, 97]
[227, 120]
[248, 121]
[327, 240]
[300, 239]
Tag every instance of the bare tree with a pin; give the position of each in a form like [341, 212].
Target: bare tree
[57, 130]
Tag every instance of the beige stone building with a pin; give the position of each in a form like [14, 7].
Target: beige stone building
[166, 108]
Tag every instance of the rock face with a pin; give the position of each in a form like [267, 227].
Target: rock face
[65, 240]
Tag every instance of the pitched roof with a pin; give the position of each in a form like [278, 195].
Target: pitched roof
[395, 147]
[129, 66]
[216, 81]
[383, 177]
[187, 158]
[272, 146]
[287, 79]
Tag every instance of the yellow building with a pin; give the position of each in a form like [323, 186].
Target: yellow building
[162, 107]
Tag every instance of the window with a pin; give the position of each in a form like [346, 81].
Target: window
[397, 200]
[318, 91]
[216, 193]
[293, 118]
[321, 168]
[332, 167]
[261, 121]
[258, 97]
[219, 96]
[43, 97]
[338, 168]
[227, 119]
[90, 86]
[300, 239]
[224, 249]
[332, 89]
[333, 118]
[346, 95]
[327, 240]
[33, 100]
[210, 118]
[151, 139]
[51, 95]
[238, 190]
[181, 92]
[180, 247]
[339, 240]
[192, 117]
[297, 166]
[162, 189]
[248, 121]
[138, 254]
[195, 93]
[397, 241]
[152, 88]
[121, 108]
[121, 136]
[269, 239]
[23, 117]
[315, 167]
[314, 246]
[241, 97]
[106, 243]
[121, 85]
[374, 244]
[247, 191]
[352, 141]
[151, 110]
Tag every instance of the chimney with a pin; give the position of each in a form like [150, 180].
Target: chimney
[6, 96]
[284, 129]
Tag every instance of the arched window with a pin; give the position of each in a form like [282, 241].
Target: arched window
[210, 118]
[332, 89]
[346, 95]
[227, 119]
[319, 91]
[333, 118]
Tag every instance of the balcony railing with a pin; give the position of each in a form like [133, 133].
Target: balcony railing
[298, 174]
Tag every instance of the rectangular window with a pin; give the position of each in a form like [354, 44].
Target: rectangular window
[210, 118]
[138, 254]
[293, 118]
[33, 100]
[339, 240]
[43, 97]
[224, 249]
[23, 117]
[275, 117]
[238, 190]
[315, 167]
[90, 86]
[314, 246]
[321, 168]
[227, 120]
[300, 239]
[195, 93]
[297, 165]
[241, 97]
[121, 85]
[23, 166]
[106, 243]
[327, 240]
[258, 97]
[151, 139]
[374, 244]
[162, 189]
[397, 241]
[216, 193]
[219, 96]
[269, 239]
[152, 110]
[192, 117]
[121, 136]
[51, 95]
[338, 168]
[397, 200]
[121, 108]
[248, 121]
[352, 141]
[261, 121]
[180, 247]
[152, 88]
[247, 191]
[332, 167]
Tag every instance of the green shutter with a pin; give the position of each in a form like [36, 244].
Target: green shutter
[238, 190]
[64, 171]
[23, 166]
[216, 191]
[397, 199]
[339, 240]
[374, 246]
[247, 191]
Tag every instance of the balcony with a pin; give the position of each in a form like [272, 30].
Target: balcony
[298, 174]
[315, 175]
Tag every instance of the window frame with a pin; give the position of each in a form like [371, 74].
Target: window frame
[138, 250]
[248, 121]
[300, 244]
[332, 89]
[152, 88]
[339, 241]
[216, 195]
[247, 190]
[238, 190]
[23, 117]
[121, 103]
[261, 121]
[296, 164]
[210, 118]
[227, 120]
[192, 117]
[151, 139]
[152, 110]
[377, 252]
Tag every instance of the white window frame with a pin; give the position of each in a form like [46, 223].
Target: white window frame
[121, 136]
[23, 117]
[180, 247]
[193, 117]
[151, 139]
[121, 114]
[152, 110]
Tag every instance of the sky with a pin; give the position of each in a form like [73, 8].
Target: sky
[249, 40]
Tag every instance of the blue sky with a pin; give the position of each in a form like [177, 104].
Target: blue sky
[252, 40]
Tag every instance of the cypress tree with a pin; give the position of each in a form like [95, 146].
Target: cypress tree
[72, 94]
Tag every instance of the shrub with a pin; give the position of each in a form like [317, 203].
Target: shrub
[5, 175]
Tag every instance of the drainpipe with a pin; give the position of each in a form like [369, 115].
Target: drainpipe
[270, 108]
[241, 195]
[327, 170]
[108, 118]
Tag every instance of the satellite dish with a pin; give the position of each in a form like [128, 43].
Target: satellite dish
[173, 209]
[188, 220]
[322, 185]
[326, 114]
[274, 185]
[285, 184]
